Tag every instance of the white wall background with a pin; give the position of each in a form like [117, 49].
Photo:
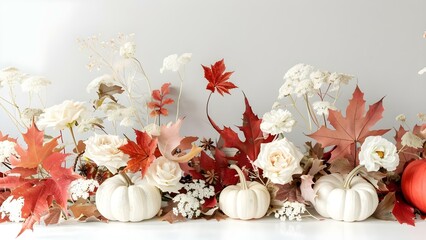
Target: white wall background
[378, 41]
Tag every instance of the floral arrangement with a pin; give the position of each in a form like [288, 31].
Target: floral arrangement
[347, 171]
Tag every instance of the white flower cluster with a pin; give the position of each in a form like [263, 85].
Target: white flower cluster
[421, 117]
[277, 121]
[322, 107]
[12, 76]
[189, 203]
[12, 208]
[305, 80]
[291, 211]
[116, 112]
[7, 149]
[174, 63]
[81, 188]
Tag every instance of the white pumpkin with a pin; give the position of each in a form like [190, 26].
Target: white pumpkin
[246, 200]
[354, 202]
[128, 198]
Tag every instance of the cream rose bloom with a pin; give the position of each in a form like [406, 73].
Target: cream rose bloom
[165, 175]
[104, 150]
[62, 115]
[279, 160]
[378, 152]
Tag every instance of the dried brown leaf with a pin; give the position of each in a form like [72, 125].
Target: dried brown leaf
[172, 218]
[317, 166]
[54, 215]
[342, 166]
[385, 207]
[84, 211]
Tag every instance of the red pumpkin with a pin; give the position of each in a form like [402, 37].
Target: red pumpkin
[413, 184]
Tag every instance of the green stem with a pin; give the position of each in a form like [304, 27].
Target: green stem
[351, 175]
[76, 147]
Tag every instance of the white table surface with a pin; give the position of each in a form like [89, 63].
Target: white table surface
[266, 228]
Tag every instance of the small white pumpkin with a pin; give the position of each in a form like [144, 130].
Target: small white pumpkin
[127, 198]
[352, 200]
[246, 200]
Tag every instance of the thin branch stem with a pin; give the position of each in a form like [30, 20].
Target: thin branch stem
[180, 95]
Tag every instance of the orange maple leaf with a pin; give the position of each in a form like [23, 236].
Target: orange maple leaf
[37, 151]
[141, 152]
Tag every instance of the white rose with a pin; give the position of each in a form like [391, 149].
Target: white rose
[279, 160]
[165, 175]
[378, 152]
[104, 150]
[128, 49]
[63, 115]
[277, 121]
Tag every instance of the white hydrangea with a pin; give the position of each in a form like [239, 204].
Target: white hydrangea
[12, 208]
[338, 79]
[10, 76]
[319, 78]
[174, 63]
[7, 149]
[34, 84]
[291, 211]
[106, 79]
[409, 139]
[305, 87]
[322, 107]
[81, 188]
[88, 124]
[401, 118]
[299, 72]
[287, 88]
[277, 121]
[128, 49]
[189, 204]
[421, 117]
[116, 112]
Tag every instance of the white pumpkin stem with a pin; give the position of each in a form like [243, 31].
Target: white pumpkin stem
[241, 176]
[127, 178]
[351, 175]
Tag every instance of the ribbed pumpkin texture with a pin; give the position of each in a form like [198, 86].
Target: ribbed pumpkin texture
[413, 184]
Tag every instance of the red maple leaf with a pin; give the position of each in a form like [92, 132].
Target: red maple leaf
[160, 100]
[49, 180]
[215, 171]
[402, 211]
[217, 78]
[249, 149]
[141, 152]
[352, 129]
